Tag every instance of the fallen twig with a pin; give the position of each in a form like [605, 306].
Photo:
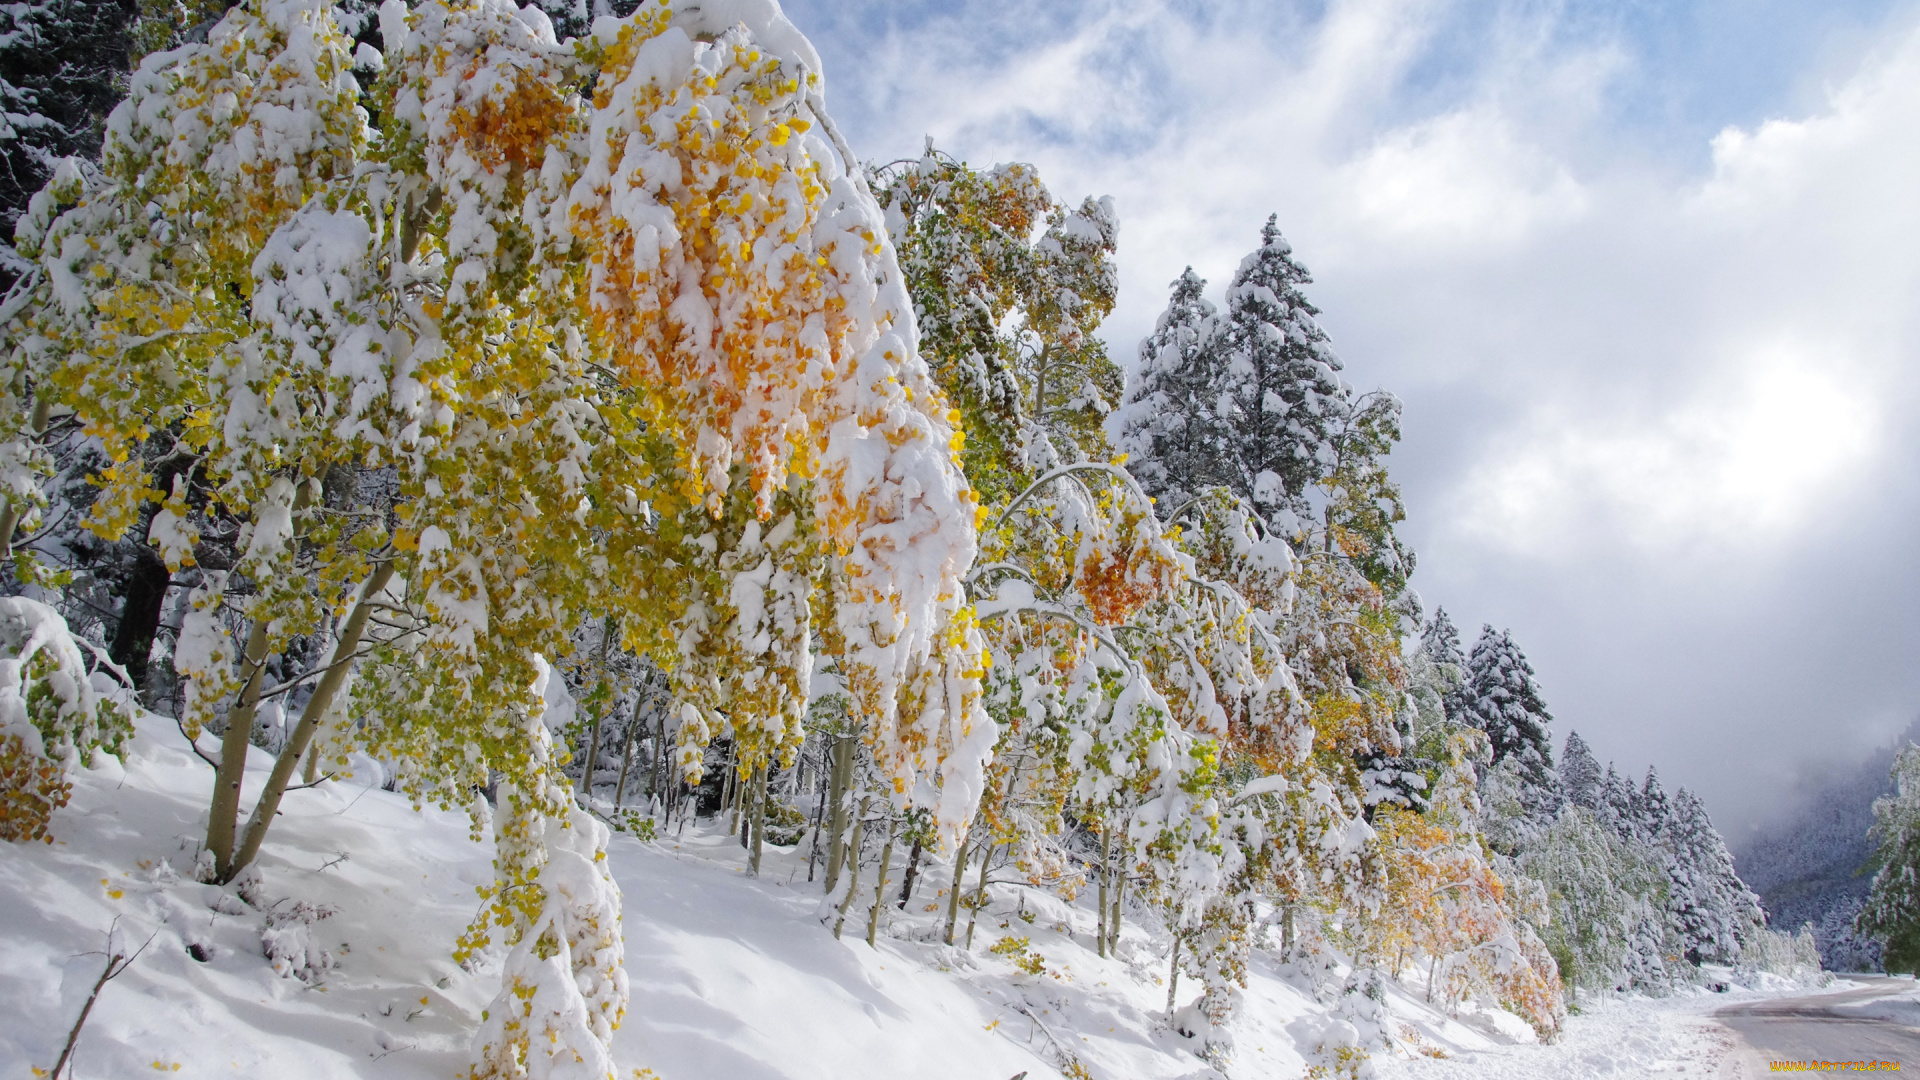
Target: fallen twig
[117, 964]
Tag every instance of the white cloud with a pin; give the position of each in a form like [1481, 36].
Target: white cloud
[1747, 459]
[1462, 179]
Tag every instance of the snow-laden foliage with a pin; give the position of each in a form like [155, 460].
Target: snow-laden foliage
[53, 717]
[1502, 699]
[1249, 398]
[1892, 911]
[62, 63]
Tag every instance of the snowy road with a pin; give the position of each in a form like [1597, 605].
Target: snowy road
[1873, 1023]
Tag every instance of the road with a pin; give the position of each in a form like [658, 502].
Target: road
[1827, 1027]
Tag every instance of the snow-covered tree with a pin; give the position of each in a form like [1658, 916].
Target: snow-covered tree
[1178, 427]
[1602, 891]
[1287, 397]
[1580, 777]
[1892, 912]
[63, 64]
[1009, 285]
[52, 717]
[1713, 909]
[1504, 701]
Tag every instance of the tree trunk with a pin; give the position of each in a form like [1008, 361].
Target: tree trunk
[880, 887]
[913, 870]
[953, 894]
[140, 616]
[979, 892]
[819, 817]
[853, 886]
[1113, 920]
[223, 815]
[842, 783]
[759, 814]
[310, 717]
[626, 762]
[1100, 923]
[1173, 974]
[592, 756]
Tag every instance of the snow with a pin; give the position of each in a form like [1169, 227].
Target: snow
[361, 899]
[1626, 1037]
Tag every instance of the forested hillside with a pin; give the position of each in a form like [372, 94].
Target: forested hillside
[1812, 866]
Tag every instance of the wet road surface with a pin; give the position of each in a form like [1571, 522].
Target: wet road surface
[1833, 1027]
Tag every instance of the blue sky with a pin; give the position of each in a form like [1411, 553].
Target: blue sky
[1644, 275]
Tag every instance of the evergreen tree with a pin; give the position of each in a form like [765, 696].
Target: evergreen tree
[1580, 778]
[1651, 812]
[1440, 641]
[1505, 702]
[1616, 803]
[1712, 908]
[1177, 426]
[63, 64]
[1286, 394]
[1440, 644]
[1892, 912]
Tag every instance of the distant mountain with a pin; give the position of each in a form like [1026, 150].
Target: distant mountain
[1808, 867]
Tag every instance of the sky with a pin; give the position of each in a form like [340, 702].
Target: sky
[1643, 273]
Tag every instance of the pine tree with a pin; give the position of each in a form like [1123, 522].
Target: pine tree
[1282, 370]
[1892, 912]
[1616, 803]
[1651, 811]
[63, 64]
[1177, 427]
[1713, 909]
[1505, 702]
[1580, 778]
[1440, 642]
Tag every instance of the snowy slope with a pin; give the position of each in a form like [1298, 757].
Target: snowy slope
[732, 976]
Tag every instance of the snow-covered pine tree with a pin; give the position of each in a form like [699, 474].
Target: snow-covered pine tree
[1504, 701]
[1580, 777]
[63, 64]
[1651, 811]
[1177, 428]
[1892, 911]
[1282, 370]
[1616, 803]
[1440, 642]
[1712, 909]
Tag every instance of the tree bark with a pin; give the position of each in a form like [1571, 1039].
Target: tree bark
[853, 886]
[880, 887]
[626, 762]
[1113, 921]
[759, 814]
[338, 665]
[223, 814]
[140, 615]
[1100, 923]
[1173, 974]
[842, 783]
[913, 870]
[953, 895]
[979, 892]
[592, 756]
[819, 818]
